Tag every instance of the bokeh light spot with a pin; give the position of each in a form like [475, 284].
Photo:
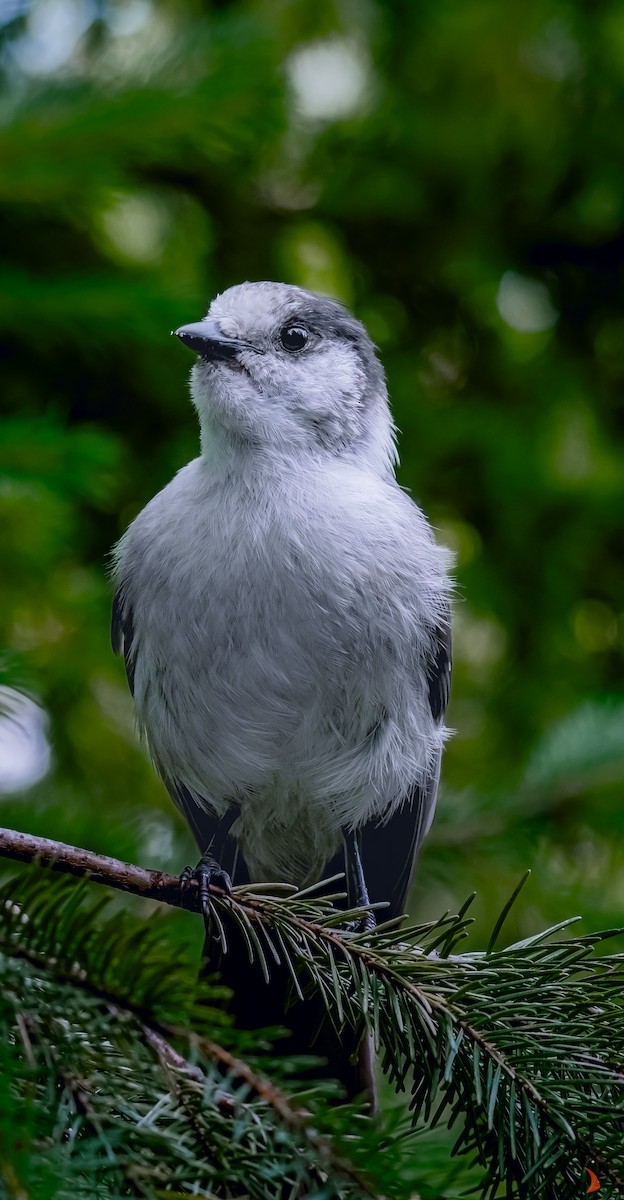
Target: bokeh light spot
[525, 304]
[330, 79]
[24, 747]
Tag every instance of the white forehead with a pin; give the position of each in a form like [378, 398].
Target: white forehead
[256, 306]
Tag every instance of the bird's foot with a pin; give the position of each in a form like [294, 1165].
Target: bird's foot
[207, 873]
[364, 924]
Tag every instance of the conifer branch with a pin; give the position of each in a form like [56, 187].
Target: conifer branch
[159, 886]
[156, 1034]
[522, 1043]
[293, 1118]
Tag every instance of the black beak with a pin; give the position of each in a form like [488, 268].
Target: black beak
[208, 340]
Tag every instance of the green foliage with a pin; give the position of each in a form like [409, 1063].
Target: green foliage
[119, 1079]
[97, 1099]
[159, 163]
[106, 1091]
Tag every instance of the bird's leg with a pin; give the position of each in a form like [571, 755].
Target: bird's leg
[209, 870]
[356, 883]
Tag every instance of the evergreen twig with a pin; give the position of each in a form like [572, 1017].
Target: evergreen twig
[523, 1046]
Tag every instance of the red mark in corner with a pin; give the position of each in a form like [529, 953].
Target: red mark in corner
[594, 1182]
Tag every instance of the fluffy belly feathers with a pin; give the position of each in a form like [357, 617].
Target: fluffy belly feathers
[265, 675]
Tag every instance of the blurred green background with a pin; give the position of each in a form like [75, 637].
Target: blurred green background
[452, 171]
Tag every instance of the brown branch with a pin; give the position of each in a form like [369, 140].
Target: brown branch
[71, 860]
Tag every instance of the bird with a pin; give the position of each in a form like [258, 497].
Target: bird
[284, 613]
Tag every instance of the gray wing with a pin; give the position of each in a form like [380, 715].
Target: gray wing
[389, 849]
[122, 635]
[439, 673]
[204, 825]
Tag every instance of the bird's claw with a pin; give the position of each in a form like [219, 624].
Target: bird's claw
[206, 874]
[364, 924]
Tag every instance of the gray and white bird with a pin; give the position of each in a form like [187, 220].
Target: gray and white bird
[284, 610]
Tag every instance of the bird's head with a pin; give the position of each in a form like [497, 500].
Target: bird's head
[281, 369]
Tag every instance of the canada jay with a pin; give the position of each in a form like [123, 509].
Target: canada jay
[283, 611]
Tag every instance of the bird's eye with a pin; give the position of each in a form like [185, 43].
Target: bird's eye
[294, 337]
